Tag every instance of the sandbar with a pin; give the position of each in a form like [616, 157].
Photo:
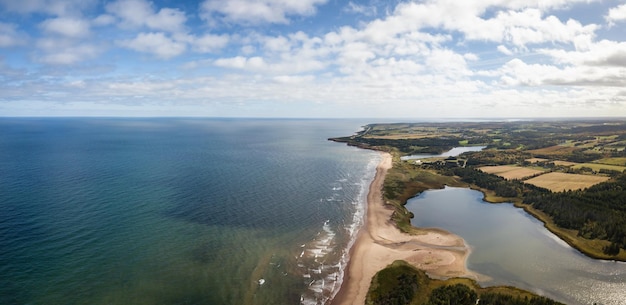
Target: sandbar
[379, 243]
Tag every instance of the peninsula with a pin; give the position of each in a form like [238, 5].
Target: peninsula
[538, 165]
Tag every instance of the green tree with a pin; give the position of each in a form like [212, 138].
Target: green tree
[458, 294]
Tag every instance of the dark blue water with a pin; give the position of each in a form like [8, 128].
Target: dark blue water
[177, 211]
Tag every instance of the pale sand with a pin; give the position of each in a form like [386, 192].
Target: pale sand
[440, 253]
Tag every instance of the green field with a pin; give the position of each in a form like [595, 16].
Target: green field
[612, 161]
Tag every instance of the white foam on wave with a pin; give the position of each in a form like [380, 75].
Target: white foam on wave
[317, 274]
[325, 278]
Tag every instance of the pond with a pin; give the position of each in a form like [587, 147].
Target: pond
[513, 248]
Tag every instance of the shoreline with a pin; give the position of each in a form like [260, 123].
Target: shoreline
[379, 243]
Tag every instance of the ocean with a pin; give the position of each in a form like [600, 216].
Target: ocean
[177, 210]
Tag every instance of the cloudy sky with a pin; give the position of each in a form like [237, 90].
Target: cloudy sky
[313, 58]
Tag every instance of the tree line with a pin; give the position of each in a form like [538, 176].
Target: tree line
[597, 212]
[460, 294]
[405, 146]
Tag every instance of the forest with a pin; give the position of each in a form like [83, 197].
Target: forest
[598, 212]
[404, 146]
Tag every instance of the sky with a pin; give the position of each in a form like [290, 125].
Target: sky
[313, 58]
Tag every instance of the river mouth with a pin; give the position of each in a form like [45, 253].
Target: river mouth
[513, 248]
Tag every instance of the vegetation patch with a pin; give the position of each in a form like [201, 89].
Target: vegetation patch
[509, 172]
[613, 161]
[535, 160]
[554, 150]
[401, 283]
[564, 163]
[558, 182]
[600, 167]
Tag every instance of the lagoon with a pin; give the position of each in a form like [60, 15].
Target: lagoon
[511, 247]
[451, 153]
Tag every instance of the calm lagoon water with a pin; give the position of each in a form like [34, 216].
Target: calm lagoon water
[177, 211]
[513, 248]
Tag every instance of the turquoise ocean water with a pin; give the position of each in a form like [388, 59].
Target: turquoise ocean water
[177, 211]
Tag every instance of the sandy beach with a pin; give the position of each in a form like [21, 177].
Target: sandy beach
[438, 252]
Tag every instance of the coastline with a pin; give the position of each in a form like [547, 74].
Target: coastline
[380, 243]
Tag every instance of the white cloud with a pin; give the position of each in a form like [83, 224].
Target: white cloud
[64, 51]
[66, 26]
[257, 64]
[519, 23]
[138, 13]
[616, 14]
[504, 50]
[447, 63]
[257, 11]
[294, 80]
[209, 43]
[167, 19]
[9, 36]
[604, 53]
[239, 62]
[70, 55]
[103, 20]
[516, 72]
[417, 59]
[171, 37]
[76, 84]
[54, 7]
[277, 44]
[155, 43]
[132, 12]
[360, 9]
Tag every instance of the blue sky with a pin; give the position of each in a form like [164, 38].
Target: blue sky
[313, 58]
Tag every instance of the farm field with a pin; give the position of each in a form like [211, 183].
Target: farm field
[558, 182]
[403, 136]
[554, 150]
[556, 162]
[510, 172]
[598, 167]
[535, 160]
[612, 161]
[564, 163]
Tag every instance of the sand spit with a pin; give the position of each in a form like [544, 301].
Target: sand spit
[438, 252]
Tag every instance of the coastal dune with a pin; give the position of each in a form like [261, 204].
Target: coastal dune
[380, 242]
